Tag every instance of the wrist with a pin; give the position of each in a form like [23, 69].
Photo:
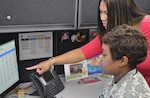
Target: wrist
[52, 60]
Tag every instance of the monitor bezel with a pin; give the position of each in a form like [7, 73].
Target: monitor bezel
[14, 85]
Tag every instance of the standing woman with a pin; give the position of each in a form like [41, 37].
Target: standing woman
[111, 13]
[125, 12]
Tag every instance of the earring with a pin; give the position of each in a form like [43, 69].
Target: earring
[100, 60]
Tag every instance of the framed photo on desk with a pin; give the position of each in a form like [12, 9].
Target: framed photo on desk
[76, 70]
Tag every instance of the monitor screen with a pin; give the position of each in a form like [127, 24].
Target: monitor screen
[9, 74]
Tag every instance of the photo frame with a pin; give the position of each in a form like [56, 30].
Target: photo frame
[76, 70]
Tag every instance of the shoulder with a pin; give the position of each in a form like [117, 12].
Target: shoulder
[146, 18]
[145, 25]
[146, 21]
[133, 87]
[130, 85]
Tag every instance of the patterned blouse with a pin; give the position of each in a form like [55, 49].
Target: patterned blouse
[132, 85]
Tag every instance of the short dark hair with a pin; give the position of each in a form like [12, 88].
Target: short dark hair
[124, 40]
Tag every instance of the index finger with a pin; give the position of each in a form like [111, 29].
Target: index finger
[31, 68]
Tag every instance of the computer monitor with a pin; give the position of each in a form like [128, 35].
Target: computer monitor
[9, 74]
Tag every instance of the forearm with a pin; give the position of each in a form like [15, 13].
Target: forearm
[87, 51]
[72, 56]
[68, 57]
[91, 49]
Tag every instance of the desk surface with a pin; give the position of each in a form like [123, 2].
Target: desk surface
[75, 90]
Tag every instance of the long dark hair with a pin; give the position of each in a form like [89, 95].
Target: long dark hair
[120, 12]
